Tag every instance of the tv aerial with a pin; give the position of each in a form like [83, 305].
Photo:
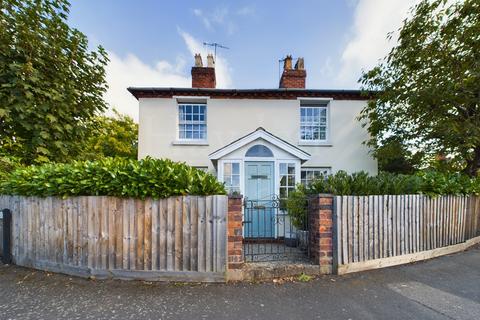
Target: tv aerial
[215, 45]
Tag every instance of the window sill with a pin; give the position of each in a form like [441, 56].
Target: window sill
[315, 143]
[190, 143]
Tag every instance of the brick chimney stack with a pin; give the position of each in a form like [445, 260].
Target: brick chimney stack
[203, 77]
[293, 78]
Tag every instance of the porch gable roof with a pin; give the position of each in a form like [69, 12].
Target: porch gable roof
[260, 133]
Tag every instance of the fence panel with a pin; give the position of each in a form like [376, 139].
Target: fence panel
[379, 227]
[179, 238]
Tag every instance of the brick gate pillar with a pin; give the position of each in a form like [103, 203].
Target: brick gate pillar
[320, 215]
[234, 233]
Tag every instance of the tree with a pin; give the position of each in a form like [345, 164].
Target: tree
[111, 137]
[428, 87]
[393, 156]
[50, 83]
[8, 164]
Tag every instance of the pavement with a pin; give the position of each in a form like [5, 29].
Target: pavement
[442, 288]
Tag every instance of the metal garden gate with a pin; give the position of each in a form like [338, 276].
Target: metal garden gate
[269, 234]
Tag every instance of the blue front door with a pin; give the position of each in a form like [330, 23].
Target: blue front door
[259, 193]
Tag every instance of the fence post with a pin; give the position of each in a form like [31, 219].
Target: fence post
[335, 235]
[477, 215]
[7, 236]
[235, 237]
[320, 212]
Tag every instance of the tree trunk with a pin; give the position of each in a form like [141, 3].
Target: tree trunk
[473, 165]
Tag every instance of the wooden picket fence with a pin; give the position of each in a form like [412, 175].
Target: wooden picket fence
[378, 231]
[178, 238]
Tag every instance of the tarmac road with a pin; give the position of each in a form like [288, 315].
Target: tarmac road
[443, 288]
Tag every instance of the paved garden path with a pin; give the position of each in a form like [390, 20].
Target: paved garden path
[443, 288]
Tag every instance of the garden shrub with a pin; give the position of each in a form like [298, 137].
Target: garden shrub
[112, 177]
[431, 183]
[296, 206]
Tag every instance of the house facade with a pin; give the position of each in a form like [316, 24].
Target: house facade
[260, 142]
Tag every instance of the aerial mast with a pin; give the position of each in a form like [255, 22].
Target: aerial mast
[215, 45]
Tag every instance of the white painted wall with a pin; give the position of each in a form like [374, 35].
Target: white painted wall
[230, 119]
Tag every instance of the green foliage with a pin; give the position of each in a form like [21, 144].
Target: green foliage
[433, 183]
[113, 177]
[304, 278]
[424, 182]
[8, 165]
[50, 83]
[296, 206]
[393, 156]
[427, 88]
[115, 136]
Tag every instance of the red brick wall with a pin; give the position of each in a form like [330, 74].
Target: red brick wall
[234, 230]
[203, 77]
[293, 78]
[321, 232]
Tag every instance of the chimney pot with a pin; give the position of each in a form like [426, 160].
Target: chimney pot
[287, 63]
[198, 60]
[210, 61]
[299, 65]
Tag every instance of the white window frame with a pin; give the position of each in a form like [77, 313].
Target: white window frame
[296, 163]
[295, 175]
[315, 169]
[315, 104]
[179, 122]
[221, 173]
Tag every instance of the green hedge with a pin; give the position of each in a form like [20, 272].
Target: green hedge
[113, 177]
[425, 182]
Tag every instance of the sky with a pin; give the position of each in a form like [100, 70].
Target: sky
[152, 42]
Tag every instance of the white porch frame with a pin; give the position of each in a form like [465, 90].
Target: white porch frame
[276, 173]
[283, 152]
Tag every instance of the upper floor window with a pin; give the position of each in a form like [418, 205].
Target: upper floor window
[313, 123]
[192, 121]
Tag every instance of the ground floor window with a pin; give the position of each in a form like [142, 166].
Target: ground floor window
[287, 179]
[310, 174]
[231, 177]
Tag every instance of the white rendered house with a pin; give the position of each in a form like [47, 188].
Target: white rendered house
[260, 142]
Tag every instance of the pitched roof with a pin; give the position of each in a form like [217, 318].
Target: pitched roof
[282, 93]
